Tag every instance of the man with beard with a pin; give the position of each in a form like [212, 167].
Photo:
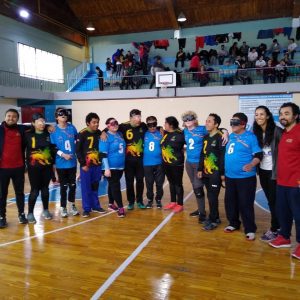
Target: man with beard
[12, 147]
[288, 178]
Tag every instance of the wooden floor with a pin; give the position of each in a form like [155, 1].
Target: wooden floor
[74, 258]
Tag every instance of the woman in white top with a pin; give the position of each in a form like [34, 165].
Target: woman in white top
[268, 136]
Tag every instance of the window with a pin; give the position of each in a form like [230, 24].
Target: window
[38, 64]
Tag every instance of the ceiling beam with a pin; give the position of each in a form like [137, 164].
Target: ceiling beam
[296, 8]
[172, 14]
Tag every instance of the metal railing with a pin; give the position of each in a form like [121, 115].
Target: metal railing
[11, 79]
[195, 79]
[77, 74]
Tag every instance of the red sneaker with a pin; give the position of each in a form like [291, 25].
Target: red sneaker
[281, 242]
[178, 208]
[171, 205]
[296, 252]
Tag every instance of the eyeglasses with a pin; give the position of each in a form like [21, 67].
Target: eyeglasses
[152, 124]
[113, 123]
[62, 113]
[236, 122]
[188, 118]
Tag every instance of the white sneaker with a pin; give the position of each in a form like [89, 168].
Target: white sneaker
[63, 212]
[74, 210]
[250, 236]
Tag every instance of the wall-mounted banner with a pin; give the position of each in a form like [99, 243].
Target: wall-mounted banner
[248, 103]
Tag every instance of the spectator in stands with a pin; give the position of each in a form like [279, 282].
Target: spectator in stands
[234, 50]
[269, 72]
[180, 57]
[252, 57]
[242, 74]
[244, 50]
[281, 71]
[204, 56]
[128, 76]
[292, 48]
[157, 67]
[213, 54]
[287, 59]
[260, 63]
[144, 55]
[227, 72]
[238, 61]
[222, 54]
[275, 50]
[261, 50]
[129, 56]
[203, 76]
[100, 78]
[194, 64]
[109, 67]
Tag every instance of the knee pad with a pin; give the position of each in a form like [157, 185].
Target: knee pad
[95, 186]
[199, 192]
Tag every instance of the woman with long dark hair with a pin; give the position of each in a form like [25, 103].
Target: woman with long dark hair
[268, 136]
[172, 145]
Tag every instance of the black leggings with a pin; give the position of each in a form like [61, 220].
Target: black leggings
[39, 179]
[67, 179]
[174, 175]
[114, 187]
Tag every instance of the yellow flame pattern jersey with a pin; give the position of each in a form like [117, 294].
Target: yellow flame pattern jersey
[172, 145]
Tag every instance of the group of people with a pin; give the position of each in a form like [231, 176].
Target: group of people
[146, 151]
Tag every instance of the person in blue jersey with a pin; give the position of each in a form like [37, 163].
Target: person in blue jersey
[193, 135]
[90, 159]
[242, 155]
[153, 170]
[64, 137]
[114, 146]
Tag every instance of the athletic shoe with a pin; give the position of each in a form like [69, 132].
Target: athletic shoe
[130, 206]
[178, 208]
[195, 213]
[171, 205]
[141, 205]
[3, 222]
[85, 214]
[31, 219]
[121, 212]
[99, 210]
[250, 236]
[269, 236]
[22, 219]
[210, 226]
[63, 212]
[296, 252]
[230, 229]
[74, 210]
[280, 242]
[47, 215]
[202, 220]
[149, 204]
[112, 207]
[158, 204]
[218, 221]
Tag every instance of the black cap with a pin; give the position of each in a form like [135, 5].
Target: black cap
[135, 112]
[37, 116]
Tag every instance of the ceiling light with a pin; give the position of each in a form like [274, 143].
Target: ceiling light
[181, 17]
[24, 13]
[90, 27]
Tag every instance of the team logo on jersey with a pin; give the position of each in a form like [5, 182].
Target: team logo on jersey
[92, 158]
[41, 157]
[210, 164]
[173, 139]
[135, 149]
[289, 140]
[168, 154]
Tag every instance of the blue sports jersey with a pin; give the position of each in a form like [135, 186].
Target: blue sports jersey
[115, 147]
[240, 150]
[194, 142]
[152, 149]
[64, 139]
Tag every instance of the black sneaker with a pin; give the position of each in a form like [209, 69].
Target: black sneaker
[99, 210]
[210, 226]
[85, 214]
[195, 213]
[3, 222]
[202, 219]
[218, 221]
[149, 204]
[158, 204]
[22, 219]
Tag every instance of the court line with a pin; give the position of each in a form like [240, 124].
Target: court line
[257, 204]
[133, 255]
[54, 231]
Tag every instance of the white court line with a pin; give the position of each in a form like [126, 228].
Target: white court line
[257, 204]
[54, 231]
[133, 255]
